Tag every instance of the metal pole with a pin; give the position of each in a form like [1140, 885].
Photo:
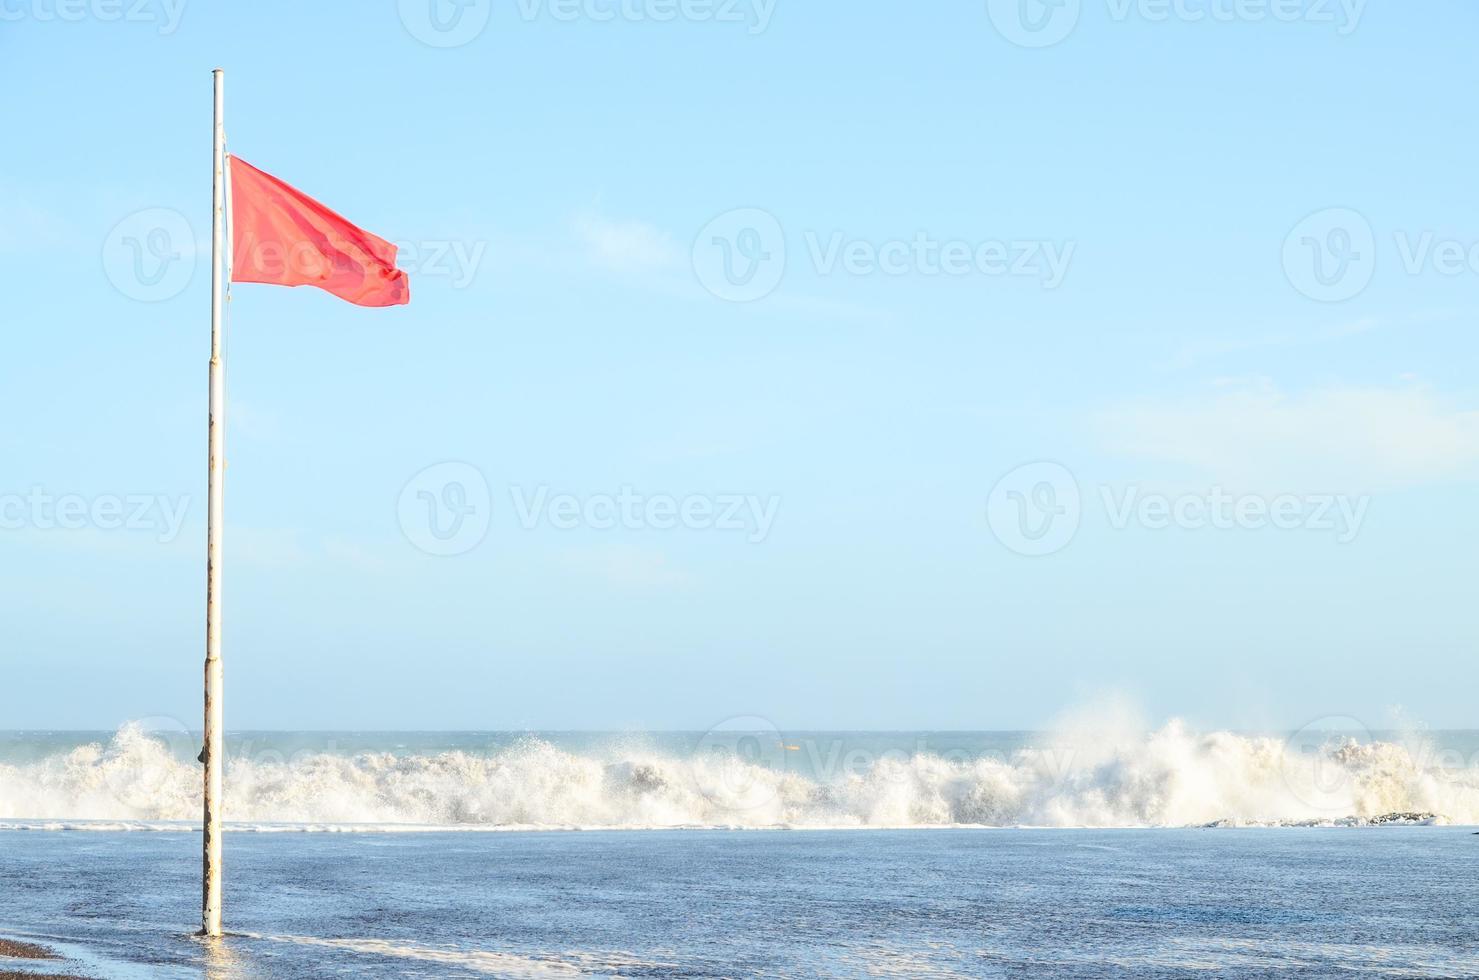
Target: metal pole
[212, 754]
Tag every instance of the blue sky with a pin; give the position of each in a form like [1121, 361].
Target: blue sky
[1194, 260]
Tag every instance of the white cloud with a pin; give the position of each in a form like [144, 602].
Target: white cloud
[1251, 434]
[627, 246]
[1290, 335]
[645, 257]
[625, 566]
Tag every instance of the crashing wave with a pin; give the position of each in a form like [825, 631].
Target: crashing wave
[1170, 777]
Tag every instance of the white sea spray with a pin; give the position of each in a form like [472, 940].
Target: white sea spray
[1168, 777]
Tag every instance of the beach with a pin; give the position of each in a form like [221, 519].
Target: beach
[741, 852]
[683, 489]
[12, 951]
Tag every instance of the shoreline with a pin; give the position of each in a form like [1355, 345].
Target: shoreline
[11, 949]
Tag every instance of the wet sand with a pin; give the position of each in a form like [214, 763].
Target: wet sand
[29, 951]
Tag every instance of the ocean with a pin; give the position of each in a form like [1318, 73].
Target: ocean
[746, 852]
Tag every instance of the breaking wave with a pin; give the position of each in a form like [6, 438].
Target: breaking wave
[1169, 777]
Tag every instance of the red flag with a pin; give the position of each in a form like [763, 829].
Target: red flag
[284, 237]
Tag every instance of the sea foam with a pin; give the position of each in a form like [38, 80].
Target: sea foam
[1168, 777]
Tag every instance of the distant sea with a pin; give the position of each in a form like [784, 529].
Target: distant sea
[747, 851]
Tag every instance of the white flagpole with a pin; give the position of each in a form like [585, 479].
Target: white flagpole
[213, 755]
